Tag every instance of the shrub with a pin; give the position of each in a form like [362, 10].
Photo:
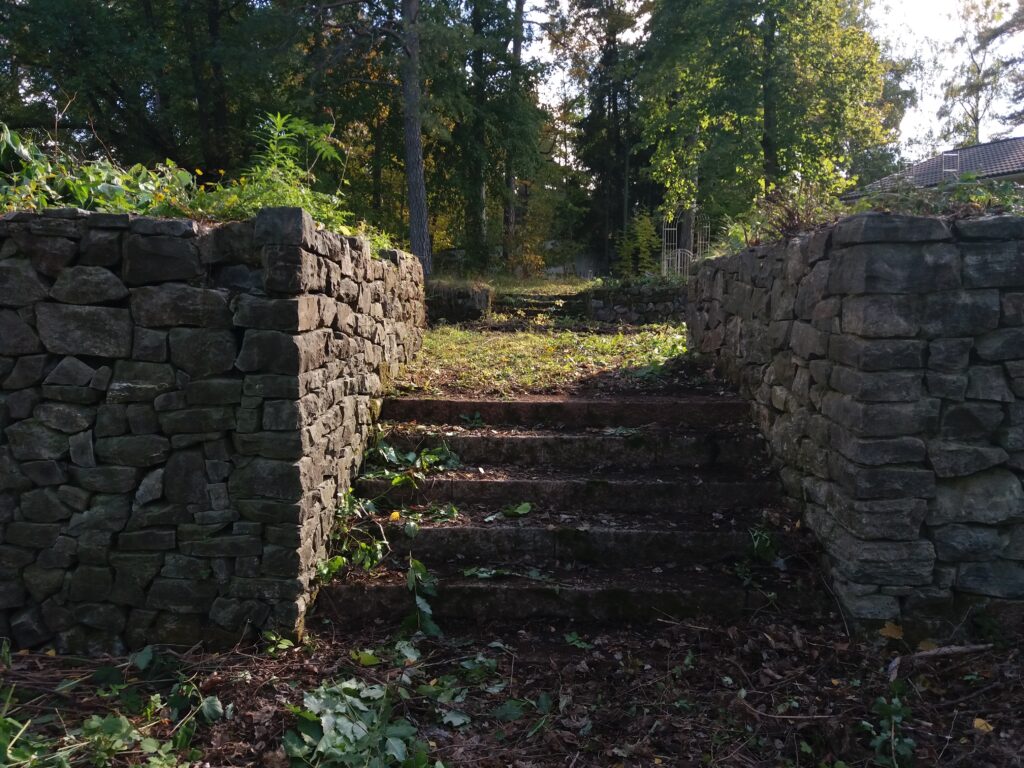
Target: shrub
[282, 174]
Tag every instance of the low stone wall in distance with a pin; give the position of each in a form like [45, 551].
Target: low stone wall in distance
[637, 304]
[885, 360]
[180, 407]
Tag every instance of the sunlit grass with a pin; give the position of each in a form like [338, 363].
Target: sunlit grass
[465, 360]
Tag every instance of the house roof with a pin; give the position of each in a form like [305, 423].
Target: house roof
[988, 161]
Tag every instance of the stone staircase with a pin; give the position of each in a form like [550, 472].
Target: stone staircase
[532, 305]
[639, 508]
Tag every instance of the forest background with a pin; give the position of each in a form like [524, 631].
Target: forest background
[513, 135]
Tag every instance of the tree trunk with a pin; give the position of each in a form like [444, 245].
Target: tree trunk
[218, 152]
[476, 155]
[769, 98]
[419, 236]
[509, 240]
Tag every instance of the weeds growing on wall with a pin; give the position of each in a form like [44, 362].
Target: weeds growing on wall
[283, 173]
[804, 206]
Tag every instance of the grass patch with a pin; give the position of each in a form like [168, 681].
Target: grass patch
[539, 286]
[468, 360]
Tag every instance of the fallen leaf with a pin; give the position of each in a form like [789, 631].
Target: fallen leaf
[983, 725]
[927, 645]
[892, 631]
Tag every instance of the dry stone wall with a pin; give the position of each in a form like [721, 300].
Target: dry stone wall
[180, 408]
[638, 304]
[885, 360]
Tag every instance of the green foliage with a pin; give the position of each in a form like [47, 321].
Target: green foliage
[638, 248]
[745, 97]
[353, 724]
[966, 196]
[122, 736]
[358, 539]
[979, 80]
[410, 468]
[281, 175]
[456, 359]
[893, 748]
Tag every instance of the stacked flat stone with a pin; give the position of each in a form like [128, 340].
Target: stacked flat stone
[180, 407]
[885, 360]
[637, 305]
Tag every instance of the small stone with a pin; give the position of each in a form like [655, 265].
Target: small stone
[949, 355]
[149, 345]
[101, 379]
[966, 421]
[41, 583]
[147, 540]
[81, 450]
[159, 259]
[111, 420]
[44, 506]
[31, 440]
[65, 417]
[955, 543]
[959, 313]
[151, 488]
[202, 352]
[142, 419]
[185, 478]
[140, 382]
[67, 329]
[987, 382]
[79, 395]
[999, 578]
[959, 459]
[1004, 344]
[949, 386]
[16, 336]
[28, 628]
[27, 372]
[32, 535]
[889, 228]
[214, 392]
[107, 513]
[88, 581]
[20, 285]
[991, 497]
[88, 285]
[133, 450]
[198, 420]
[106, 479]
[49, 255]
[177, 305]
[101, 248]
[70, 372]
[76, 498]
[993, 265]
[45, 473]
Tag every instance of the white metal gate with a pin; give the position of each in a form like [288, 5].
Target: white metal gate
[684, 240]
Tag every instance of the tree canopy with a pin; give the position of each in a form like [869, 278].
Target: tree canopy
[495, 133]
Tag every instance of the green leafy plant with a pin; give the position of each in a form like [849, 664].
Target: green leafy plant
[422, 584]
[409, 468]
[276, 644]
[283, 173]
[893, 748]
[353, 724]
[763, 544]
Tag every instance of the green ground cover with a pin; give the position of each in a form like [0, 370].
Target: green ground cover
[544, 359]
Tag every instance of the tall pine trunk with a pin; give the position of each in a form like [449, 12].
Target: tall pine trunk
[412, 129]
[769, 97]
[509, 240]
[476, 155]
